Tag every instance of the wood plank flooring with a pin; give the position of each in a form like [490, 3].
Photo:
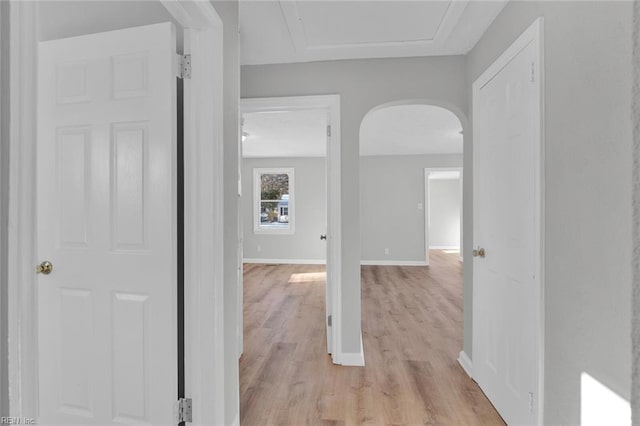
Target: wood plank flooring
[412, 334]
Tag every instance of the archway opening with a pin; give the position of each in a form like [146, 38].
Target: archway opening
[412, 286]
[411, 161]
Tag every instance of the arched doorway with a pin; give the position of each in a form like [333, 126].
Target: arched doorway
[412, 314]
[411, 161]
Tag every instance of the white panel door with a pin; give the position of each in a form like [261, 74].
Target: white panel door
[329, 254]
[240, 252]
[505, 281]
[107, 313]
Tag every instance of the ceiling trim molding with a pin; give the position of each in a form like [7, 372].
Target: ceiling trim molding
[295, 25]
[274, 30]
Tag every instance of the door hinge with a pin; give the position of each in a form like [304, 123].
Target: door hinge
[530, 402]
[329, 318]
[329, 131]
[185, 67]
[183, 410]
[533, 71]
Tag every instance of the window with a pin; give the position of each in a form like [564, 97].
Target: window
[273, 201]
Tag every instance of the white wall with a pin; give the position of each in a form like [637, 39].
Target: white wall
[444, 213]
[362, 85]
[310, 212]
[391, 187]
[587, 213]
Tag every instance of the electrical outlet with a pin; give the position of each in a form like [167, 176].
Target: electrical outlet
[420, 206]
[259, 248]
[386, 250]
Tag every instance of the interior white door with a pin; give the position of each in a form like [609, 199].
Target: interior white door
[506, 215]
[240, 257]
[330, 255]
[107, 313]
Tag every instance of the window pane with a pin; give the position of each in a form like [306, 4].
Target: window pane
[274, 214]
[274, 186]
[268, 211]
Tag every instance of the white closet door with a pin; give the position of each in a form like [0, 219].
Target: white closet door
[107, 313]
[505, 279]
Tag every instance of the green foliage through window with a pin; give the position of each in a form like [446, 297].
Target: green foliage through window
[274, 186]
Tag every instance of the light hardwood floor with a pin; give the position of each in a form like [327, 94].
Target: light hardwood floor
[412, 334]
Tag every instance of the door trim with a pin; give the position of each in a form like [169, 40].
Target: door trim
[204, 320]
[22, 303]
[427, 207]
[331, 103]
[203, 384]
[533, 34]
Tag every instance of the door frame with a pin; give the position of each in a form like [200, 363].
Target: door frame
[427, 205]
[330, 103]
[204, 303]
[533, 34]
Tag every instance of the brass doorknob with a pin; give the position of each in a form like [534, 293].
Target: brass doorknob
[479, 252]
[44, 268]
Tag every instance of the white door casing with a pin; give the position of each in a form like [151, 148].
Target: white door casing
[507, 282]
[330, 269]
[427, 206]
[330, 103]
[240, 257]
[204, 295]
[106, 198]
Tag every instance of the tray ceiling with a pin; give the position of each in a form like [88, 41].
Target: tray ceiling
[280, 31]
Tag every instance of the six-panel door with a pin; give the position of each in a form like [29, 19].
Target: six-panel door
[106, 204]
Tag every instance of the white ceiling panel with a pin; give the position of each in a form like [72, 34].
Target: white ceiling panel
[331, 24]
[285, 31]
[410, 130]
[284, 134]
[357, 29]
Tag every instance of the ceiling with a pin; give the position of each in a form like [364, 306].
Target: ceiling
[396, 130]
[410, 130]
[285, 134]
[284, 31]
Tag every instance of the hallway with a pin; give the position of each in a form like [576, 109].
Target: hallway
[412, 331]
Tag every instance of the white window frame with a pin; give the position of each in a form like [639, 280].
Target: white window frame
[257, 191]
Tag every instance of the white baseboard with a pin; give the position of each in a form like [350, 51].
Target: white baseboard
[444, 248]
[353, 359]
[236, 421]
[287, 261]
[465, 363]
[393, 262]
